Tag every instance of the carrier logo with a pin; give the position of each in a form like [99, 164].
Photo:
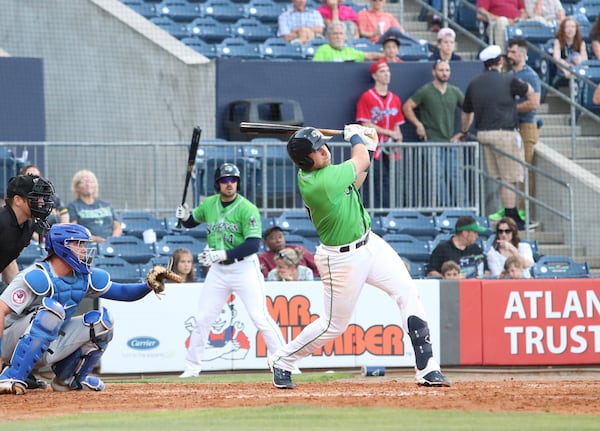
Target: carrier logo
[143, 343]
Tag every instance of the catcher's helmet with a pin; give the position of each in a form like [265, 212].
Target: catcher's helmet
[304, 142]
[58, 241]
[227, 170]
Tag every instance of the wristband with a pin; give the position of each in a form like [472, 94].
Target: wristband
[355, 140]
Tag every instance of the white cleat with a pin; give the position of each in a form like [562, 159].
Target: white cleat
[14, 387]
[189, 373]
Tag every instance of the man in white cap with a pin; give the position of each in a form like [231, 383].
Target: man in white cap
[446, 43]
[490, 101]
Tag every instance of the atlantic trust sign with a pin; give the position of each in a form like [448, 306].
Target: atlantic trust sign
[541, 322]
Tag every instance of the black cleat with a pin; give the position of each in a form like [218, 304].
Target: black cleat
[433, 378]
[33, 383]
[282, 379]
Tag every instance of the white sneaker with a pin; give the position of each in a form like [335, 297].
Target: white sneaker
[189, 373]
[296, 370]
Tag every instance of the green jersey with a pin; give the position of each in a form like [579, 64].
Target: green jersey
[228, 227]
[327, 53]
[334, 204]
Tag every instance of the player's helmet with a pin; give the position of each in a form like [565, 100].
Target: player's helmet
[227, 170]
[304, 142]
[58, 241]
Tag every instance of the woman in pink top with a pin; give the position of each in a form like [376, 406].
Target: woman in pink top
[334, 10]
[373, 22]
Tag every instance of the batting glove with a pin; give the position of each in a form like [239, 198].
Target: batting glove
[368, 135]
[208, 257]
[351, 130]
[182, 212]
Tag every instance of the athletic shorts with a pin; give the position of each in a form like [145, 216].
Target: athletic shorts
[499, 166]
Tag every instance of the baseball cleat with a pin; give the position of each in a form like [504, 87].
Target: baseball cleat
[433, 378]
[282, 379]
[11, 386]
[189, 373]
[34, 383]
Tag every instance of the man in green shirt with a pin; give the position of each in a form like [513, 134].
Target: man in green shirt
[336, 49]
[350, 255]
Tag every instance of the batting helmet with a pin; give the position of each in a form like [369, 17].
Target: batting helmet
[227, 170]
[304, 142]
[58, 241]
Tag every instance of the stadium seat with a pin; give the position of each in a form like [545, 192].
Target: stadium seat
[238, 47]
[130, 248]
[589, 8]
[179, 10]
[535, 248]
[198, 232]
[253, 30]
[365, 45]
[209, 29]
[446, 221]
[466, 17]
[175, 29]
[264, 10]
[551, 266]
[170, 243]
[416, 269]
[119, 269]
[136, 222]
[223, 10]
[296, 222]
[409, 247]
[591, 70]
[309, 244]
[206, 49]
[30, 254]
[410, 222]
[277, 48]
[412, 49]
[311, 46]
[145, 9]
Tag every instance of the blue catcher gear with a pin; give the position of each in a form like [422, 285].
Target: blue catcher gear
[32, 345]
[72, 372]
[227, 170]
[58, 242]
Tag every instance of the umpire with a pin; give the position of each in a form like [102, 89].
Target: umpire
[490, 101]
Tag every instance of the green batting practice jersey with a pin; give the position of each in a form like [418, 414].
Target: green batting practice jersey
[334, 204]
[228, 227]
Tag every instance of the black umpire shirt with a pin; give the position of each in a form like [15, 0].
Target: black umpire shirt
[491, 97]
[13, 237]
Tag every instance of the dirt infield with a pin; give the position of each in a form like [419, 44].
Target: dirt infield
[574, 392]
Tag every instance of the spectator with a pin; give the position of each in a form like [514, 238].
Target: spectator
[526, 108]
[274, 239]
[451, 271]
[446, 44]
[87, 210]
[502, 13]
[437, 103]
[374, 22]
[59, 213]
[288, 268]
[183, 264]
[391, 49]
[513, 269]
[490, 100]
[569, 50]
[300, 24]
[506, 244]
[595, 38]
[548, 12]
[381, 109]
[596, 95]
[336, 49]
[461, 249]
[335, 11]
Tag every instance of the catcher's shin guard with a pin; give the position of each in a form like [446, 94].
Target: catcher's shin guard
[101, 327]
[72, 373]
[33, 344]
[419, 336]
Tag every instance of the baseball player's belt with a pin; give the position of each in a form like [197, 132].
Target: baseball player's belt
[357, 244]
[231, 261]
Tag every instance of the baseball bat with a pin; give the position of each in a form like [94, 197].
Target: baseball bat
[284, 129]
[190, 164]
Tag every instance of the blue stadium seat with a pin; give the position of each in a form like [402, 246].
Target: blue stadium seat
[277, 48]
[410, 222]
[145, 9]
[238, 47]
[591, 70]
[136, 222]
[365, 45]
[466, 17]
[550, 266]
[408, 246]
[417, 269]
[223, 10]
[208, 50]
[535, 248]
[296, 222]
[130, 248]
[170, 243]
[30, 254]
[209, 29]
[412, 49]
[198, 232]
[446, 221]
[264, 10]
[589, 8]
[175, 29]
[253, 30]
[119, 269]
[179, 10]
[532, 31]
[307, 243]
[311, 46]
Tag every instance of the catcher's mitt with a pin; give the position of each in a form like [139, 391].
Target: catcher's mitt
[156, 277]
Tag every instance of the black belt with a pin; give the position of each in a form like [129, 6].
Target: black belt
[356, 245]
[231, 261]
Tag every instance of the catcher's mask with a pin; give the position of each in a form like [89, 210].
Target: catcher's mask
[227, 170]
[59, 241]
[38, 191]
[304, 142]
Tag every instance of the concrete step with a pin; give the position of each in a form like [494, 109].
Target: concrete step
[547, 237]
[586, 147]
[560, 250]
[554, 119]
[556, 130]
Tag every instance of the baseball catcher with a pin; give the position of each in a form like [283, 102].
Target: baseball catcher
[37, 326]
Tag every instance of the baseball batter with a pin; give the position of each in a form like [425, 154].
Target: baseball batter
[350, 255]
[233, 233]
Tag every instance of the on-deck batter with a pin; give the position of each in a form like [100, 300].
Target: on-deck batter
[350, 255]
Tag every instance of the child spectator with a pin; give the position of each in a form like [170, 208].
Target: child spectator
[288, 268]
[513, 268]
[451, 270]
[183, 264]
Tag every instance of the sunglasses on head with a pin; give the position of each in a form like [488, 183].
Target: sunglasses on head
[286, 258]
[228, 180]
[504, 230]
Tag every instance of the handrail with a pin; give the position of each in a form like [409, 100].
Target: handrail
[568, 217]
